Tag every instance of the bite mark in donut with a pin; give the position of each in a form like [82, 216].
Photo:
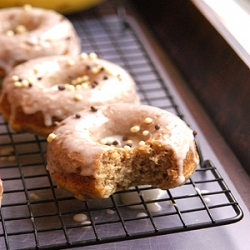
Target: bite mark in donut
[98, 154]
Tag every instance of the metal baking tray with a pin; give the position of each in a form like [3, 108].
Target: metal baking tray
[35, 214]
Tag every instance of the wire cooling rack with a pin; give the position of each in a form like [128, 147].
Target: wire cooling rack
[37, 215]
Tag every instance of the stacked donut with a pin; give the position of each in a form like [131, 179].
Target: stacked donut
[100, 138]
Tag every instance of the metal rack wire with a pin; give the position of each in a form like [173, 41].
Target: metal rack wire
[35, 214]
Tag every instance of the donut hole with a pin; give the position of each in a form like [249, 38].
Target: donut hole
[111, 134]
[66, 74]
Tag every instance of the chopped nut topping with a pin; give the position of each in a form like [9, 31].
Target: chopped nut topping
[84, 85]
[10, 33]
[93, 56]
[14, 78]
[51, 137]
[20, 29]
[148, 120]
[96, 70]
[115, 143]
[141, 143]
[157, 127]
[36, 69]
[94, 84]
[71, 62]
[17, 84]
[78, 87]
[78, 97]
[93, 109]
[85, 78]
[25, 83]
[61, 87]
[103, 141]
[83, 56]
[135, 129]
[27, 7]
[124, 138]
[119, 77]
[109, 71]
[129, 142]
[195, 132]
[69, 87]
[145, 133]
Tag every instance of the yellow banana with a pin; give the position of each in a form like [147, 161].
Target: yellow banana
[62, 6]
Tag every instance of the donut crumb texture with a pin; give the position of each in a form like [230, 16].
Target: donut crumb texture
[120, 169]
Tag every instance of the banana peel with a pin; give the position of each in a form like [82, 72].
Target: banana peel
[61, 6]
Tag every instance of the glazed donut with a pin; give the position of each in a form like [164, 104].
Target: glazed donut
[42, 91]
[97, 152]
[27, 33]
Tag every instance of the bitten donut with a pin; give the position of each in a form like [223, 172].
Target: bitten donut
[99, 151]
[42, 91]
[27, 33]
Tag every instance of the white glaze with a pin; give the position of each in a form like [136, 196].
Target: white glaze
[83, 135]
[148, 195]
[45, 97]
[80, 217]
[85, 223]
[206, 199]
[48, 35]
[139, 215]
[110, 211]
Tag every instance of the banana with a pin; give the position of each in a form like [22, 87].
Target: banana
[61, 6]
